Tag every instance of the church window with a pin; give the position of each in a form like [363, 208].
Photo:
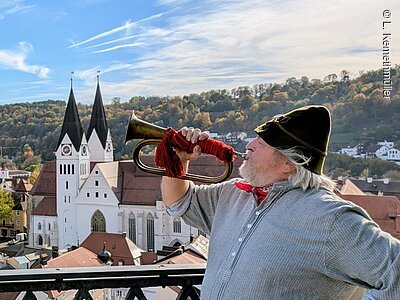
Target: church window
[49, 226]
[65, 169]
[98, 222]
[69, 169]
[177, 226]
[150, 232]
[60, 168]
[105, 195]
[97, 194]
[48, 241]
[96, 183]
[73, 169]
[66, 185]
[132, 228]
[39, 226]
[40, 240]
[88, 195]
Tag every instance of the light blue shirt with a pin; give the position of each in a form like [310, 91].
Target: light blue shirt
[296, 245]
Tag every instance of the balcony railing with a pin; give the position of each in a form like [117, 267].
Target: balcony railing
[107, 277]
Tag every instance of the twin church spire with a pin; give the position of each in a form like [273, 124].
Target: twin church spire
[98, 134]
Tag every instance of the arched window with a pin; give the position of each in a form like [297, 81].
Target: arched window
[177, 227]
[39, 226]
[132, 228]
[98, 222]
[48, 241]
[150, 232]
[40, 240]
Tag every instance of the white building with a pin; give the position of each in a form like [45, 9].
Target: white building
[84, 190]
[388, 152]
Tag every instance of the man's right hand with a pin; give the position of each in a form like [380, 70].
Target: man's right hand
[192, 135]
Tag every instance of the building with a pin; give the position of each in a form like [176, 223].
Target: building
[85, 191]
[382, 150]
[16, 182]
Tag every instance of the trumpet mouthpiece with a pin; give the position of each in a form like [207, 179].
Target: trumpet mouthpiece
[241, 154]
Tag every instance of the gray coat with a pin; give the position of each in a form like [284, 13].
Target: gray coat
[296, 245]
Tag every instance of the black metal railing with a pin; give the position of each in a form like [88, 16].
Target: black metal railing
[106, 277]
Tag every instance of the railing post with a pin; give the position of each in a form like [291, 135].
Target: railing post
[137, 292]
[186, 291]
[83, 294]
[29, 295]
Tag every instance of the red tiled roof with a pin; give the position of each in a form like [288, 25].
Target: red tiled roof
[120, 247]
[384, 210]
[349, 188]
[80, 257]
[186, 257]
[46, 207]
[45, 184]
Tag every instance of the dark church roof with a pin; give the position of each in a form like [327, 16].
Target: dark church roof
[72, 124]
[98, 120]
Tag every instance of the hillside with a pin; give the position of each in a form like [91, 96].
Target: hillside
[360, 113]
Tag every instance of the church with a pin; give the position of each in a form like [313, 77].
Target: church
[84, 190]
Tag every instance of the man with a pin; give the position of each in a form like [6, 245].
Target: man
[287, 236]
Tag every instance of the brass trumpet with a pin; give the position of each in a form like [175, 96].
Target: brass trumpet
[152, 135]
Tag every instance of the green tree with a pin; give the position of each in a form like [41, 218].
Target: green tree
[6, 204]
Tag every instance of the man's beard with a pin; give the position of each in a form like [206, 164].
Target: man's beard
[255, 174]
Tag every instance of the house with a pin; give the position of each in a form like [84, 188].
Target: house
[16, 183]
[356, 151]
[123, 251]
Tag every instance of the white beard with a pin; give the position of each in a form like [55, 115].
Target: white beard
[252, 175]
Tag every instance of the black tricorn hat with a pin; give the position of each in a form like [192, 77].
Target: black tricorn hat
[306, 129]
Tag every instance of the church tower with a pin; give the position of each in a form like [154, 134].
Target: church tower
[73, 167]
[100, 143]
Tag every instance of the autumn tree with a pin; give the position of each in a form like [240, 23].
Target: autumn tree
[6, 204]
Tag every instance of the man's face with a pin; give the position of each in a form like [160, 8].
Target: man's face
[265, 164]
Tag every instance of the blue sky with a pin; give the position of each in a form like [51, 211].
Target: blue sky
[178, 47]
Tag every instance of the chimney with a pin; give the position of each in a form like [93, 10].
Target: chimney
[124, 234]
[369, 179]
[54, 251]
[386, 180]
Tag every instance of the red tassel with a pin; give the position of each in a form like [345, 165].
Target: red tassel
[167, 158]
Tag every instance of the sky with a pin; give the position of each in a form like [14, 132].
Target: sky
[179, 47]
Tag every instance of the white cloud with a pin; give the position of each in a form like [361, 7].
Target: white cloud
[119, 47]
[223, 44]
[126, 27]
[16, 60]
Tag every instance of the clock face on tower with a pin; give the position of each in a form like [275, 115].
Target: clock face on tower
[66, 150]
[84, 150]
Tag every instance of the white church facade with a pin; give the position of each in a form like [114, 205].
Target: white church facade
[84, 190]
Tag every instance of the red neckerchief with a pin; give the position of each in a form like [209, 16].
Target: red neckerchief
[260, 192]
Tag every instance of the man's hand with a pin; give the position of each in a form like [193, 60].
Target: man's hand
[192, 135]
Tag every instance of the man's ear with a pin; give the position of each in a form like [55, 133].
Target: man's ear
[288, 168]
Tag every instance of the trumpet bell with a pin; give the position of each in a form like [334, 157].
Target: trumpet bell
[139, 129]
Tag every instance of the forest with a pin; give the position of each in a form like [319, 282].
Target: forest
[29, 132]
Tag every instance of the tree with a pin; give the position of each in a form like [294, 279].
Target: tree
[6, 204]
